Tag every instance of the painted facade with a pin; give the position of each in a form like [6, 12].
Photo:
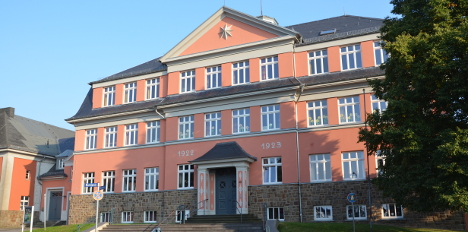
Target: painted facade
[285, 104]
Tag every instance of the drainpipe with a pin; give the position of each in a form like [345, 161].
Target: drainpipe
[156, 110]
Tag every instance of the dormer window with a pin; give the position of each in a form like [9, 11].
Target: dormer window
[327, 32]
[130, 92]
[109, 96]
[60, 163]
[187, 81]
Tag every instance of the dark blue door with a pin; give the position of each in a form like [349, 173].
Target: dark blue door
[226, 191]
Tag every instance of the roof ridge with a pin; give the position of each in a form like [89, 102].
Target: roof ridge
[334, 18]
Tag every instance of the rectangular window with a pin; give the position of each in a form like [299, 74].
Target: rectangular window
[150, 216]
[318, 113]
[241, 121]
[28, 174]
[24, 202]
[130, 92]
[109, 96]
[91, 137]
[212, 124]
[270, 117]
[60, 163]
[110, 137]
[276, 213]
[179, 214]
[186, 176]
[131, 134]
[87, 179]
[151, 179]
[213, 77]
[269, 68]
[108, 180]
[320, 168]
[152, 88]
[380, 160]
[152, 132]
[351, 57]
[323, 213]
[129, 180]
[360, 212]
[353, 165]
[377, 104]
[380, 54]
[187, 81]
[272, 170]
[186, 127]
[318, 62]
[127, 217]
[350, 110]
[106, 217]
[392, 211]
[240, 73]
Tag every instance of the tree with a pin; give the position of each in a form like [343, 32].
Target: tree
[424, 131]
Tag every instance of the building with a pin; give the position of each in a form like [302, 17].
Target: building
[29, 149]
[242, 116]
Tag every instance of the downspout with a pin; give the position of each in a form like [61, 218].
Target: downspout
[156, 110]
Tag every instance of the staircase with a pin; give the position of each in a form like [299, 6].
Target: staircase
[235, 218]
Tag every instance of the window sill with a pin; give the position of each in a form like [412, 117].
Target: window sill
[152, 190]
[320, 181]
[272, 183]
[185, 188]
[361, 179]
[324, 220]
[356, 219]
[392, 219]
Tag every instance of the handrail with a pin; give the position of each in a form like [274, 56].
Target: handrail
[265, 207]
[237, 208]
[93, 219]
[78, 227]
[184, 207]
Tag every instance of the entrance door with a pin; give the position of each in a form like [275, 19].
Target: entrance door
[55, 205]
[226, 191]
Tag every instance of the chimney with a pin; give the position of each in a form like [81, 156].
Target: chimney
[10, 111]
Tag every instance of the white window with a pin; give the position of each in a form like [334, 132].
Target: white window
[350, 110]
[150, 216]
[320, 168]
[240, 73]
[318, 113]
[106, 217]
[323, 213]
[110, 137]
[360, 212]
[28, 174]
[109, 96]
[108, 180]
[212, 124]
[377, 104]
[269, 68]
[392, 211]
[152, 132]
[130, 92]
[241, 121]
[127, 217]
[380, 160]
[318, 62]
[185, 176]
[270, 117]
[187, 81]
[272, 170]
[87, 179]
[152, 88]
[351, 57]
[151, 179]
[129, 180]
[179, 214]
[213, 77]
[186, 127]
[60, 163]
[24, 202]
[276, 213]
[131, 134]
[91, 137]
[353, 165]
[380, 54]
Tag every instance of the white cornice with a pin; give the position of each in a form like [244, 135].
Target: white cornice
[129, 79]
[108, 116]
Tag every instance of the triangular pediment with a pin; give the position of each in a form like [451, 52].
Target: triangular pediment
[226, 28]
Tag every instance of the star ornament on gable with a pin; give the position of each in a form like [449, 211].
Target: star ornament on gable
[226, 31]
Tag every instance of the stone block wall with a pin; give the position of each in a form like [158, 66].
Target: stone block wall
[334, 194]
[83, 207]
[11, 218]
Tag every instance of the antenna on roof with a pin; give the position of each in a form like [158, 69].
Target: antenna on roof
[224, 3]
[261, 8]
[344, 12]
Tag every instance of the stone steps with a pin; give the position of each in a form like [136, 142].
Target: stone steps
[235, 218]
[198, 227]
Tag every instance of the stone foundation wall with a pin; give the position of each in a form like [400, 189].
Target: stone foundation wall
[334, 194]
[11, 218]
[83, 207]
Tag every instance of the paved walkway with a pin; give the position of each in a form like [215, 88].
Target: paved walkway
[12, 230]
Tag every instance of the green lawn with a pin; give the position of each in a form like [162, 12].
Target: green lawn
[67, 228]
[347, 227]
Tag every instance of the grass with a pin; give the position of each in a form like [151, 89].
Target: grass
[347, 227]
[67, 228]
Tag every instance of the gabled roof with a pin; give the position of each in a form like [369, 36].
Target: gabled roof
[53, 173]
[25, 134]
[227, 150]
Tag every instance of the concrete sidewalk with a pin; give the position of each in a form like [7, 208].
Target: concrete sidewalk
[12, 230]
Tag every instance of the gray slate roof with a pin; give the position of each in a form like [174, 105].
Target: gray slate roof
[25, 134]
[227, 150]
[53, 172]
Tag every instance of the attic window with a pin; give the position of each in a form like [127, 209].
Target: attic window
[328, 32]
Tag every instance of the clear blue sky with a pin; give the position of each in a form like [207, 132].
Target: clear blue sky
[50, 50]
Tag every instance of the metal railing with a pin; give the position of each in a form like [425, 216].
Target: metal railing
[237, 209]
[78, 227]
[265, 208]
[111, 218]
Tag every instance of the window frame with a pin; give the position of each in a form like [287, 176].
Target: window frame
[269, 65]
[355, 53]
[153, 132]
[355, 115]
[151, 177]
[190, 172]
[277, 212]
[277, 164]
[359, 207]
[105, 217]
[88, 177]
[152, 88]
[265, 112]
[379, 162]
[330, 218]
[60, 164]
[213, 120]
[241, 70]
[187, 81]
[244, 116]
[28, 174]
[108, 98]
[187, 123]
[129, 180]
[108, 180]
[326, 165]
[127, 215]
[90, 139]
[131, 135]
[24, 202]
[382, 105]
[152, 213]
[130, 92]
[382, 54]
[214, 77]
[360, 171]
[110, 137]
[313, 109]
[396, 213]
[322, 58]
